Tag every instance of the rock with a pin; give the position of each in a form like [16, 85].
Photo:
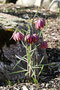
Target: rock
[37, 3]
[43, 84]
[2, 1]
[9, 21]
[44, 88]
[25, 3]
[24, 88]
[10, 1]
[31, 87]
[46, 3]
[54, 6]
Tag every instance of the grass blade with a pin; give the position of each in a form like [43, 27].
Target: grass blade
[18, 61]
[18, 72]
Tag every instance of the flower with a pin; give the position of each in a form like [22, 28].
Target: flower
[31, 38]
[35, 38]
[28, 38]
[40, 24]
[43, 45]
[17, 36]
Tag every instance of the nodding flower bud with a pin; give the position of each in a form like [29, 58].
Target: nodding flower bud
[28, 38]
[35, 38]
[43, 45]
[40, 24]
[17, 36]
[31, 38]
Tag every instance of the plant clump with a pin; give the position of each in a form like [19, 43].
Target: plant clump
[31, 41]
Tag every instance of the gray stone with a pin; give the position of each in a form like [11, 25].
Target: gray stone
[24, 88]
[54, 6]
[2, 1]
[46, 3]
[9, 21]
[37, 3]
[25, 2]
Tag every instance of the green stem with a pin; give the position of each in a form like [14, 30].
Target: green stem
[30, 62]
[29, 58]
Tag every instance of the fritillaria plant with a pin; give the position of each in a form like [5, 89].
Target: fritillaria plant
[30, 41]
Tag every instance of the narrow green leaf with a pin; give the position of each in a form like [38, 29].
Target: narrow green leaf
[18, 72]
[35, 80]
[33, 74]
[21, 68]
[36, 12]
[28, 28]
[26, 73]
[19, 61]
[8, 82]
[23, 44]
[41, 60]
[36, 67]
[28, 54]
[23, 59]
[47, 64]
[41, 70]
[25, 31]
[40, 34]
